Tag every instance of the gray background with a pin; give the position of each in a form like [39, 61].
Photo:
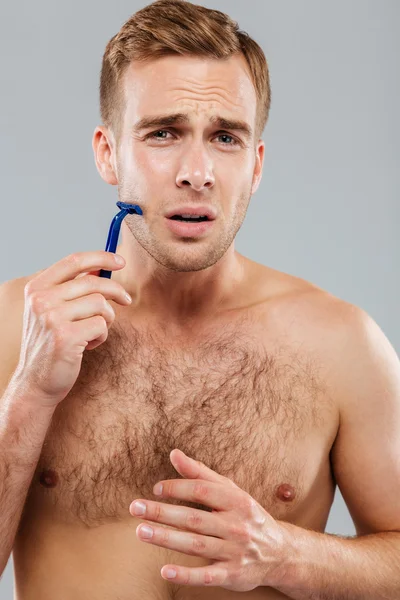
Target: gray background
[327, 208]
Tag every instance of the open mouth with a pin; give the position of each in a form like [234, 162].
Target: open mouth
[189, 219]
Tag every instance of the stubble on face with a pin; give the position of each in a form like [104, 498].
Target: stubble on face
[145, 172]
[185, 254]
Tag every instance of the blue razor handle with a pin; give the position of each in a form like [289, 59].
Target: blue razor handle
[115, 226]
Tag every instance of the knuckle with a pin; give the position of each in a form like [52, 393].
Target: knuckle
[98, 298]
[235, 530]
[240, 531]
[200, 491]
[37, 302]
[158, 512]
[245, 532]
[198, 546]
[111, 311]
[29, 288]
[233, 577]
[102, 322]
[101, 338]
[109, 318]
[165, 536]
[248, 505]
[194, 520]
[103, 306]
[51, 319]
[74, 259]
[89, 281]
[168, 489]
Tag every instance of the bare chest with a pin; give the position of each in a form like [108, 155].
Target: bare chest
[251, 411]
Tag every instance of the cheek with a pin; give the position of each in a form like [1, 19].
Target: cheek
[160, 163]
[144, 171]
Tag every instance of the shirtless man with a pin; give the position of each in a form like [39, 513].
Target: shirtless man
[247, 392]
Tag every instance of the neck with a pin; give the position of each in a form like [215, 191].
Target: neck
[176, 295]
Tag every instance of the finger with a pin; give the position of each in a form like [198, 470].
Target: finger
[218, 496]
[188, 543]
[194, 469]
[83, 308]
[88, 285]
[184, 518]
[199, 576]
[72, 265]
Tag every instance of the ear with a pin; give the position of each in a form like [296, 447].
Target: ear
[257, 173]
[102, 144]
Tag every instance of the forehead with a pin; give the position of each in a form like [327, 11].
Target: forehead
[197, 85]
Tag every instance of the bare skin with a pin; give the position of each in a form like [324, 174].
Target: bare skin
[226, 359]
[250, 379]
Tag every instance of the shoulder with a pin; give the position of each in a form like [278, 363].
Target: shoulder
[312, 309]
[12, 302]
[353, 351]
[12, 294]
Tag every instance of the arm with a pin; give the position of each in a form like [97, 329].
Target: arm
[366, 464]
[23, 429]
[22, 426]
[322, 566]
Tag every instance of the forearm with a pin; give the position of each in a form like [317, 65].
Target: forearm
[322, 566]
[23, 428]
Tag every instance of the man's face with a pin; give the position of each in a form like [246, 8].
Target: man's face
[193, 163]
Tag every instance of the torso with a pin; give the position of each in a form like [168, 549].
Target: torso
[244, 395]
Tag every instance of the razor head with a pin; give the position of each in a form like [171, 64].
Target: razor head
[132, 209]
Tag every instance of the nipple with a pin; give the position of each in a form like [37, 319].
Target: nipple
[48, 478]
[285, 492]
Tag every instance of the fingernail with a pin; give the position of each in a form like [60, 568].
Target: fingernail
[171, 573]
[157, 490]
[128, 297]
[146, 532]
[119, 259]
[138, 508]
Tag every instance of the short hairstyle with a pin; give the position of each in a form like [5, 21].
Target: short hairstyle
[178, 27]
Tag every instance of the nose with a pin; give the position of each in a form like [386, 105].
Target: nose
[196, 170]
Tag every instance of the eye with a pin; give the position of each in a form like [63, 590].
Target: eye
[227, 135]
[154, 135]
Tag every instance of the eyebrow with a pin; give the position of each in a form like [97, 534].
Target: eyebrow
[167, 120]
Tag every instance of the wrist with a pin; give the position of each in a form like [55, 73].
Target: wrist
[289, 561]
[21, 396]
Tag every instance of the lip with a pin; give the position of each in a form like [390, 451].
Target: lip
[185, 229]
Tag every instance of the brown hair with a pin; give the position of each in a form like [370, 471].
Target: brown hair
[168, 27]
